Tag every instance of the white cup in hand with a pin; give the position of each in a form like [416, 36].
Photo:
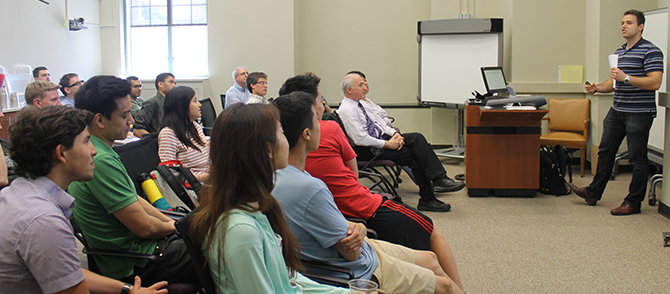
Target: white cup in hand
[362, 286]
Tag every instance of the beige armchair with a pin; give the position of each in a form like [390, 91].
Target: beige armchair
[568, 124]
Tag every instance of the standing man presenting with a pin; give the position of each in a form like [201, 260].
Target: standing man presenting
[238, 92]
[637, 78]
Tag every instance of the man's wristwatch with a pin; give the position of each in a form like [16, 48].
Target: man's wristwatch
[126, 288]
[626, 80]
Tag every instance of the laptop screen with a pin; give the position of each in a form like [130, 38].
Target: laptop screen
[494, 79]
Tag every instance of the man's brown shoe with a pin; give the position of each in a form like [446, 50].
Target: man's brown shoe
[625, 209]
[581, 192]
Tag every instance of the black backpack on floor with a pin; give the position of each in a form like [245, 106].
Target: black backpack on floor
[554, 162]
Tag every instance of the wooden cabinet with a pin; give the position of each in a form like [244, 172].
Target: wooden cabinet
[7, 120]
[502, 151]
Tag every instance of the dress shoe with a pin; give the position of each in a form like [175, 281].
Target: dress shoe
[581, 192]
[625, 209]
[433, 205]
[446, 184]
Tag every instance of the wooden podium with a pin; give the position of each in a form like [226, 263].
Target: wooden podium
[502, 151]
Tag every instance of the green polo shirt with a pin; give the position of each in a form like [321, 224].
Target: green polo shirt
[110, 190]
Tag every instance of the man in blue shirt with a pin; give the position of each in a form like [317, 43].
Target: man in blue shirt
[69, 84]
[638, 76]
[238, 92]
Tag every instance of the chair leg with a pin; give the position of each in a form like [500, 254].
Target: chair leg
[391, 172]
[583, 160]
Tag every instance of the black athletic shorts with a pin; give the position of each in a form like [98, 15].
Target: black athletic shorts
[401, 224]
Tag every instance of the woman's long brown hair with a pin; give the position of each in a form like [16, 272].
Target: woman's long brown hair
[242, 172]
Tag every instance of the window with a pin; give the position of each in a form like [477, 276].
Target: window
[167, 36]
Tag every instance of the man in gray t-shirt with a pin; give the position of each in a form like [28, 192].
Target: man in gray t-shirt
[317, 223]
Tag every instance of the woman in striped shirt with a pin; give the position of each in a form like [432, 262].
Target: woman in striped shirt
[181, 137]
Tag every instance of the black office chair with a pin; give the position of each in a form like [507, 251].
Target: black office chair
[223, 101]
[184, 288]
[139, 157]
[199, 262]
[208, 115]
[92, 265]
[142, 157]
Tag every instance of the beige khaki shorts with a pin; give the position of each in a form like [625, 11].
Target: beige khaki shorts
[397, 272]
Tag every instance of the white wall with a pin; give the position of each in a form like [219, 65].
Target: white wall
[112, 38]
[35, 34]
[256, 34]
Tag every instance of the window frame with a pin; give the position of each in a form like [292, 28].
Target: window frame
[128, 7]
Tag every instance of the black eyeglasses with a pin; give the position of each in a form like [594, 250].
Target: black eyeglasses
[79, 83]
[136, 86]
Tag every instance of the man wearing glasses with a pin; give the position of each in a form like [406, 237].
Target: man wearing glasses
[136, 100]
[69, 84]
[257, 83]
[238, 92]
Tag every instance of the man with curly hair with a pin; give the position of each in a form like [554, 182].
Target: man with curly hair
[38, 252]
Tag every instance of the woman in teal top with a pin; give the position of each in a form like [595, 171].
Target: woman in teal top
[239, 225]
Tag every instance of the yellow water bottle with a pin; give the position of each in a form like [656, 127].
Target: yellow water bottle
[152, 192]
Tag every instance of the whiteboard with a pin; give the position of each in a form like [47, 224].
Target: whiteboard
[450, 65]
[656, 31]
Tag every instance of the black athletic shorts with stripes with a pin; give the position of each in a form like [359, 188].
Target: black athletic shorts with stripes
[401, 224]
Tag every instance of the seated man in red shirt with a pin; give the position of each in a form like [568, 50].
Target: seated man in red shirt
[335, 164]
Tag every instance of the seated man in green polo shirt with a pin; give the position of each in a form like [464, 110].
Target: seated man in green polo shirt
[110, 213]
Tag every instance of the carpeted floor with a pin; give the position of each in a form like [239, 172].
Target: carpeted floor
[549, 244]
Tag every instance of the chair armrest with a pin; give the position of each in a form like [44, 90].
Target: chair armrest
[372, 234]
[114, 253]
[324, 279]
[175, 215]
[368, 162]
[327, 267]
[356, 220]
[545, 118]
[369, 174]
